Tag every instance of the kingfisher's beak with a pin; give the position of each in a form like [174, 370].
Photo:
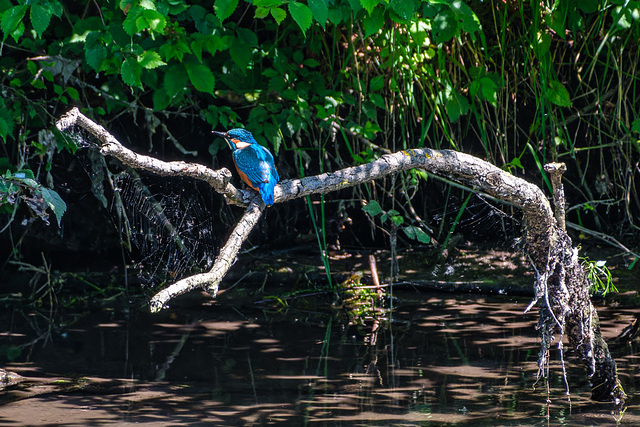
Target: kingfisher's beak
[224, 136]
[220, 134]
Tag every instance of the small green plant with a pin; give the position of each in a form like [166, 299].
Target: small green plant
[599, 275]
[21, 186]
[374, 209]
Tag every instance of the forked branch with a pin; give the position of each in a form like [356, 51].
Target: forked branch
[562, 287]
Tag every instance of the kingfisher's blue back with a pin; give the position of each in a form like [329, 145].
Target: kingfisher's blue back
[254, 162]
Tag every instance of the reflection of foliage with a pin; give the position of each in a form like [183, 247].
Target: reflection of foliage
[599, 276]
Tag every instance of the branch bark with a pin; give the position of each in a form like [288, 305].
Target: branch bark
[562, 289]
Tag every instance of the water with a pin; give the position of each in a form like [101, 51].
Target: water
[441, 360]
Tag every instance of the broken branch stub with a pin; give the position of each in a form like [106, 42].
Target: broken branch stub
[561, 285]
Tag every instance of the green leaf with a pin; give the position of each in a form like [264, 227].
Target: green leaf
[378, 100]
[172, 7]
[274, 135]
[335, 16]
[148, 4]
[27, 176]
[468, 20]
[152, 20]
[311, 63]
[372, 208]
[201, 77]
[635, 126]
[248, 37]
[410, 231]
[73, 93]
[131, 72]
[369, 5]
[422, 236]
[319, 10]
[557, 19]
[150, 60]
[543, 44]
[119, 35]
[515, 162]
[404, 8]
[588, 6]
[129, 25]
[489, 89]
[40, 18]
[394, 215]
[11, 20]
[161, 99]
[374, 22]
[457, 106]
[224, 8]
[6, 123]
[240, 53]
[261, 13]
[175, 79]
[267, 3]
[94, 51]
[55, 202]
[558, 94]
[376, 83]
[444, 26]
[302, 15]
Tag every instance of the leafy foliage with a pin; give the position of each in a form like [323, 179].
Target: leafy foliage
[599, 275]
[21, 186]
[413, 232]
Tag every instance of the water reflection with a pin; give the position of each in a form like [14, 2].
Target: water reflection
[438, 360]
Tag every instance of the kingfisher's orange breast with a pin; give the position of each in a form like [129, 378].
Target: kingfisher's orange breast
[244, 177]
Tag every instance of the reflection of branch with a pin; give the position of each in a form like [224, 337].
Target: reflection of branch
[162, 372]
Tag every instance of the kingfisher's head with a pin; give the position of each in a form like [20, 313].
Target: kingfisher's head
[237, 138]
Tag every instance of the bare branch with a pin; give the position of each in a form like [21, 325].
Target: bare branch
[219, 180]
[462, 167]
[560, 277]
[210, 281]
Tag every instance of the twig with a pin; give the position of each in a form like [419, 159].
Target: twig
[604, 237]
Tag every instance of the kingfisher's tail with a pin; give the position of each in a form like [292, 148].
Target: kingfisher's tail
[266, 189]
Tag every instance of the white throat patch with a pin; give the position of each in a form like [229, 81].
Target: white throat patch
[239, 144]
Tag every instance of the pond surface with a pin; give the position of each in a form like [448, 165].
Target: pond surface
[439, 360]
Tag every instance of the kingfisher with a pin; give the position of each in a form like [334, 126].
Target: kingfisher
[253, 161]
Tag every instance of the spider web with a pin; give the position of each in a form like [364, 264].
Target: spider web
[484, 219]
[169, 225]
